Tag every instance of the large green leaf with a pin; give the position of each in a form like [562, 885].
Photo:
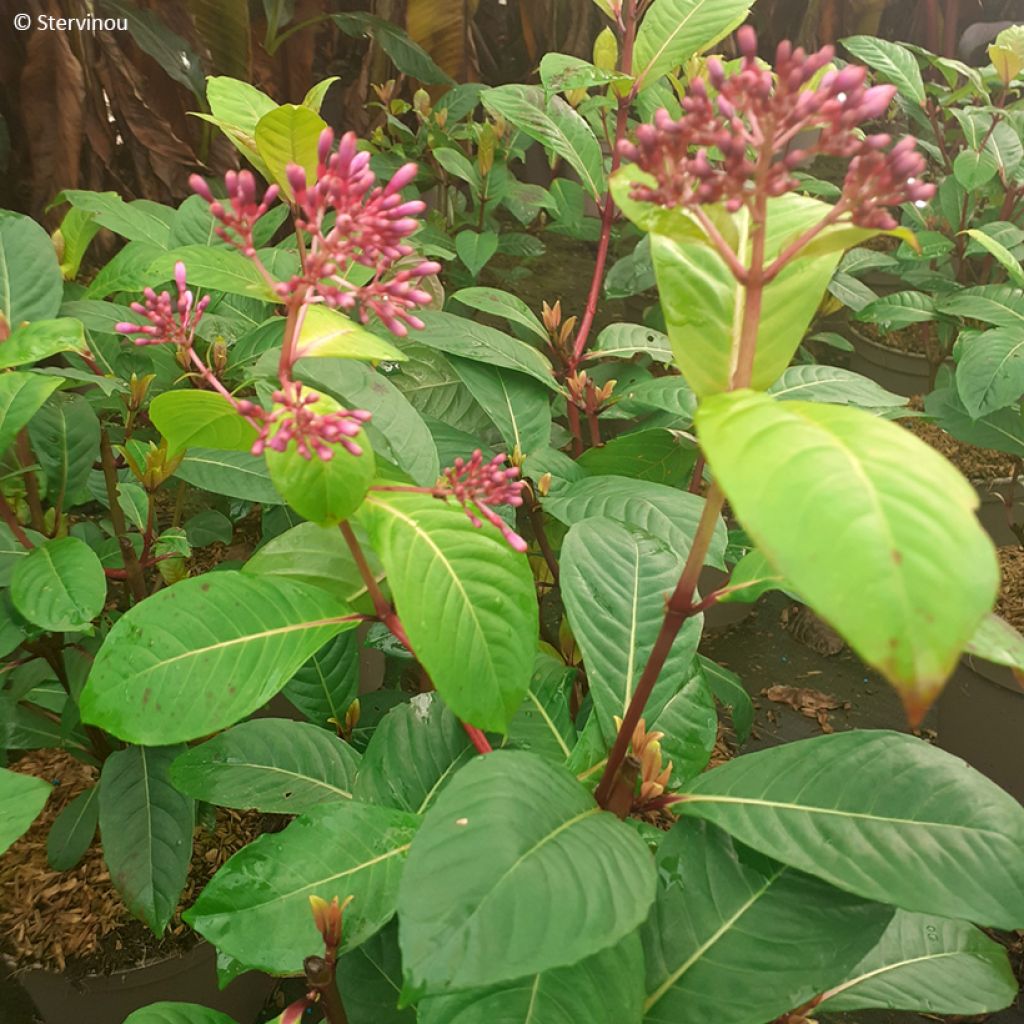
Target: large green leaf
[845, 504]
[460, 337]
[894, 62]
[516, 870]
[929, 963]
[256, 908]
[21, 395]
[661, 456]
[614, 581]
[519, 406]
[146, 828]
[620, 341]
[324, 688]
[73, 830]
[544, 722]
[663, 512]
[503, 304]
[1001, 305]
[413, 753]
[177, 1013]
[327, 333]
[60, 585]
[235, 474]
[31, 286]
[1002, 430]
[703, 304]
[222, 270]
[674, 30]
[317, 555]
[41, 339]
[371, 978]
[65, 436]
[690, 724]
[408, 56]
[465, 598]
[202, 654]
[739, 939]
[606, 988]
[407, 440]
[22, 797]
[289, 135]
[268, 764]
[990, 371]
[139, 221]
[881, 814]
[812, 382]
[200, 418]
[555, 125]
[666, 394]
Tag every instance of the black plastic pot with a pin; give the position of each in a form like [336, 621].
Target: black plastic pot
[981, 719]
[992, 511]
[905, 373]
[108, 999]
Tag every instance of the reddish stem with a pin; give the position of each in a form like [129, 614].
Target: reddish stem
[8, 516]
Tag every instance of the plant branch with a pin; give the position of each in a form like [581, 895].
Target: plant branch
[133, 569]
[8, 516]
[35, 507]
[320, 976]
[679, 608]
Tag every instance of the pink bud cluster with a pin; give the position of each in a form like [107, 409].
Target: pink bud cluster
[168, 320]
[477, 485]
[293, 418]
[369, 227]
[244, 207]
[750, 137]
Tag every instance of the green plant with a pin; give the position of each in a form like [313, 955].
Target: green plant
[591, 862]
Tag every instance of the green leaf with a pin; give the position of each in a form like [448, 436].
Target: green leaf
[998, 304]
[202, 654]
[146, 828]
[222, 270]
[561, 72]
[512, 831]
[663, 512]
[289, 135]
[929, 963]
[661, 456]
[128, 271]
[235, 474]
[177, 1013]
[550, 121]
[892, 503]
[674, 30]
[31, 286]
[519, 407]
[65, 436]
[475, 250]
[327, 333]
[666, 394]
[621, 341]
[200, 418]
[725, 915]
[208, 527]
[690, 723]
[544, 723]
[138, 221]
[268, 764]
[318, 556]
[40, 340]
[990, 371]
[325, 687]
[503, 304]
[812, 382]
[702, 303]
[73, 830]
[881, 814]
[22, 797]
[21, 395]
[413, 754]
[460, 337]
[606, 988]
[895, 63]
[324, 491]
[752, 576]
[407, 56]
[1006, 259]
[397, 429]
[314, 97]
[899, 310]
[997, 641]
[465, 598]
[371, 978]
[237, 108]
[1002, 431]
[76, 231]
[614, 581]
[974, 169]
[60, 585]
[256, 908]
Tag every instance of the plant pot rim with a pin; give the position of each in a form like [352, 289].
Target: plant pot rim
[985, 486]
[1000, 675]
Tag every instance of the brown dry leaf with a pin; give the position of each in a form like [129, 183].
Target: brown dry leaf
[810, 703]
[442, 27]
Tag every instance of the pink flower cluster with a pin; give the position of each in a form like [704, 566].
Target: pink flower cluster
[245, 208]
[751, 136]
[477, 485]
[168, 320]
[292, 418]
[368, 228]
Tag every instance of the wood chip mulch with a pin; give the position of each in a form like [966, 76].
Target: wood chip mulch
[75, 919]
[1010, 605]
[809, 703]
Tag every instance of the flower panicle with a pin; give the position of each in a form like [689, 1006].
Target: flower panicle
[169, 320]
[244, 207]
[764, 125]
[478, 486]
